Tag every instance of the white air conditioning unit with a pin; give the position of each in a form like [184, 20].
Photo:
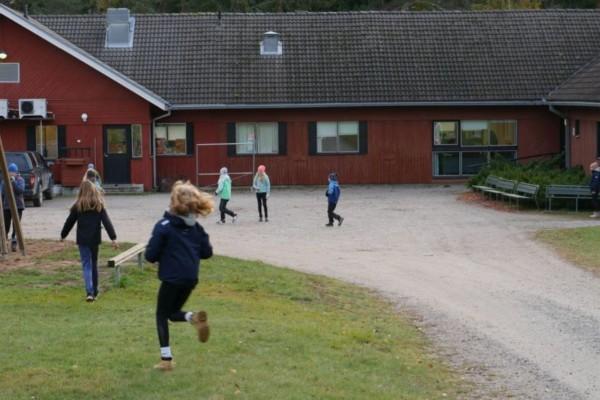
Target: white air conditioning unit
[4, 109]
[32, 108]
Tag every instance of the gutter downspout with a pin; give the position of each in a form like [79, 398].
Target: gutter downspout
[565, 120]
[154, 175]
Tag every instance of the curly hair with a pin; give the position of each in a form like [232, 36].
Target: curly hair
[187, 199]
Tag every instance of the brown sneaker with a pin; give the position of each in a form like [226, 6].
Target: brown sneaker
[165, 365]
[199, 320]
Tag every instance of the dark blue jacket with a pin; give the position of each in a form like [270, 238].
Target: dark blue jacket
[88, 226]
[595, 181]
[18, 185]
[333, 192]
[178, 249]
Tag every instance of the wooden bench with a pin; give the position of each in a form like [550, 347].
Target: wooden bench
[524, 191]
[115, 262]
[574, 192]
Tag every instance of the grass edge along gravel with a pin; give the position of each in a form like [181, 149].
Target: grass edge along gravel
[576, 245]
[276, 334]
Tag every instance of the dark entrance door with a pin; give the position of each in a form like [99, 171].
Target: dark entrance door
[117, 153]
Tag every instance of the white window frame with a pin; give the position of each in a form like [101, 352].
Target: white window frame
[338, 151]
[167, 126]
[239, 149]
[18, 72]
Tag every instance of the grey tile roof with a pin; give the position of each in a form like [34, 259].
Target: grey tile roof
[350, 57]
[582, 86]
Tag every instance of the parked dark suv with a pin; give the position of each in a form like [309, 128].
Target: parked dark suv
[34, 170]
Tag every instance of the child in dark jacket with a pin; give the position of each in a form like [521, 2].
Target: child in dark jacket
[18, 185]
[178, 243]
[333, 196]
[89, 212]
[595, 188]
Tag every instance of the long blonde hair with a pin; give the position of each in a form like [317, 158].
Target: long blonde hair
[89, 198]
[187, 199]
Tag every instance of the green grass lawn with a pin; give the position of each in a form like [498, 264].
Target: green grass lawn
[577, 245]
[276, 334]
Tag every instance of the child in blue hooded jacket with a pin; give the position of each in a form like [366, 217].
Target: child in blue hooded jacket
[178, 243]
[333, 196]
[18, 185]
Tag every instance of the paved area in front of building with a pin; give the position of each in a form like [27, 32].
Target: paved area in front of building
[491, 299]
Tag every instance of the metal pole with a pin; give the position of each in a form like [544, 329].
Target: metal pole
[8, 189]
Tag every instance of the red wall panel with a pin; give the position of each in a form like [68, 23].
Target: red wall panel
[400, 143]
[71, 88]
[584, 146]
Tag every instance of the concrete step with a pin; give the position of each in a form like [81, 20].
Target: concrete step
[115, 188]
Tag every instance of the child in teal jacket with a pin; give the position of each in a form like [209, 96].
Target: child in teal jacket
[224, 191]
[262, 185]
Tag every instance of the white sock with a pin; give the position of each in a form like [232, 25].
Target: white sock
[188, 316]
[165, 352]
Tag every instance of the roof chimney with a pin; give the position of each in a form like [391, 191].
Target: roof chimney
[271, 44]
[119, 28]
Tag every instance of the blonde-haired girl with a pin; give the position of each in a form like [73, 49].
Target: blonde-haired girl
[178, 243]
[89, 212]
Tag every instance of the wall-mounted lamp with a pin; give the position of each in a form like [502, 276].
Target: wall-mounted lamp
[3, 55]
[84, 117]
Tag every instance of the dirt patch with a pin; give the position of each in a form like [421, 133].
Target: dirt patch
[35, 250]
[483, 201]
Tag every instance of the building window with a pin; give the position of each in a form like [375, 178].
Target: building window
[488, 133]
[171, 139]
[576, 129]
[261, 137]
[461, 148]
[136, 141]
[46, 141]
[337, 137]
[10, 73]
[445, 133]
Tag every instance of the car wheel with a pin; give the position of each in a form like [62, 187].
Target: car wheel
[49, 194]
[39, 197]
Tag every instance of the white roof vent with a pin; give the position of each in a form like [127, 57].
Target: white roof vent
[271, 44]
[119, 28]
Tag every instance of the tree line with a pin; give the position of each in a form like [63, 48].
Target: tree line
[179, 6]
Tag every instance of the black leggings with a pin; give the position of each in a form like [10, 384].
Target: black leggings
[261, 198]
[8, 220]
[595, 200]
[171, 298]
[330, 214]
[224, 210]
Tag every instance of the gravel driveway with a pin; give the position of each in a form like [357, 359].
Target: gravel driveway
[515, 317]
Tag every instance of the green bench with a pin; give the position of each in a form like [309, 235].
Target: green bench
[524, 191]
[569, 192]
[509, 189]
[496, 186]
[488, 185]
[115, 262]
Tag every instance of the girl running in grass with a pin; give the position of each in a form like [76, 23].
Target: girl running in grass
[178, 243]
[89, 212]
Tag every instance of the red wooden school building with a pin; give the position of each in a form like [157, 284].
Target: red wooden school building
[379, 97]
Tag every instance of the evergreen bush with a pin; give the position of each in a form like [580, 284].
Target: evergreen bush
[538, 172]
